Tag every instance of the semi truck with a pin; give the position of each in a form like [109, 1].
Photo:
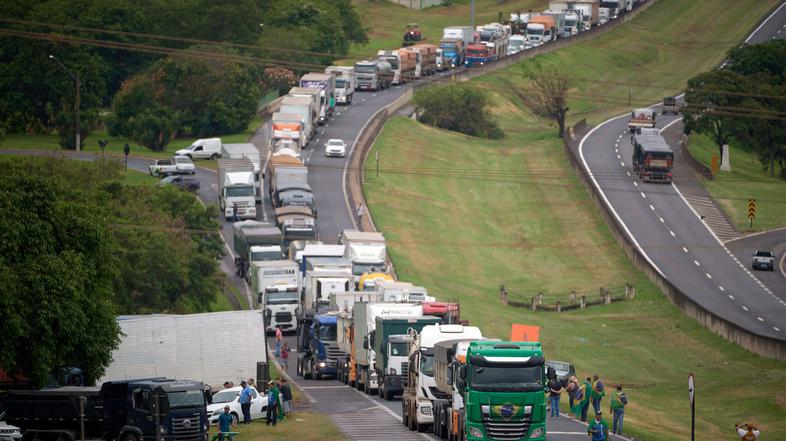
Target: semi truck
[421, 387]
[590, 12]
[277, 287]
[255, 241]
[392, 291]
[427, 61]
[318, 352]
[495, 391]
[653, 159]
[312, 250]
[373, 75]
[541, 29]
[314, 94]
[391, 341]
[326, 83]
[287, 131]
[343, 302]
[288, 182]
[641, 118]
[366, 250]
[345, 83]
[237, 189]
[559, 22]
[464, 33]
[250, 151]
[200, 346]
[368, 282]
[296, 223]
[364, 321]
[323, 276]
[402, 64]
[496, 37]
[304, 107]
[128, 410]
[616, 7]
[452, 52]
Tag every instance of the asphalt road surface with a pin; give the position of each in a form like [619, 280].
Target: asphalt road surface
[675, 239]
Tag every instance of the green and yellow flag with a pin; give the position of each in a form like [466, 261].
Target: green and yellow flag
[584, 397]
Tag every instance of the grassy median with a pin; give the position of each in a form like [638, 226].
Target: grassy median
[464, 215]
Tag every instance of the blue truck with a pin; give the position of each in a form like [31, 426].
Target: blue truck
[318, 351]
[129, 410]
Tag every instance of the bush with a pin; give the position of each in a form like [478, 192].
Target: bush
[457, 107]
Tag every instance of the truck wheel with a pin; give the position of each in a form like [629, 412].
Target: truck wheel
[214, 156]
[130, 437]
[404, 417]
[317, 376]
[299, 369]
[421, 427]
[413, 418]
[388, 396]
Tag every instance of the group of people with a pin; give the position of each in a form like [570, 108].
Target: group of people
[279, 401]
[279, 405]
[282, 349]
[580, 396]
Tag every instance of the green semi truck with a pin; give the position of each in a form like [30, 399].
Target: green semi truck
[497, 391]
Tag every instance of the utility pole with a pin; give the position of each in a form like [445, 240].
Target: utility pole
[77, 99]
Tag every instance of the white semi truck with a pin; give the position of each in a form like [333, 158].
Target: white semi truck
[366, 250]
[345, 83]
[276, 285]
[421, 387]
[323, 276]
[250, 151]
[237, 189]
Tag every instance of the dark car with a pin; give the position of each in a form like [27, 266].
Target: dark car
[182, 182]
[564, 370]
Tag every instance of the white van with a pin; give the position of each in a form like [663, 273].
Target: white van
[202, 149]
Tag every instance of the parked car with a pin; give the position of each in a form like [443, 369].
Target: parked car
[230, 397]
[563, 369]
[181, 182]
[179, 165]
[335, 147]
[7, 431]
[209, 148]
[763, 260]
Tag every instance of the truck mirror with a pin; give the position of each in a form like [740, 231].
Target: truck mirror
[462, 373]
[365, 342]
[450, 377]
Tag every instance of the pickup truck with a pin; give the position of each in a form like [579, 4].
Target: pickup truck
[764, 260]
[178, 165]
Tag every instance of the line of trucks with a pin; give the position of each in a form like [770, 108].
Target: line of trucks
[357, 324]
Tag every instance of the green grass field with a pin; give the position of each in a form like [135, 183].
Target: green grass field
[465, 215]
[115, 146]
[386, 22]
[746, 180]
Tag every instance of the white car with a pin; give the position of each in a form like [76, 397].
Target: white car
[229, 397]
[178, 165]
[7, 431]
[335, 147]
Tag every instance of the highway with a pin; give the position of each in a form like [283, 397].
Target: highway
[672, 236]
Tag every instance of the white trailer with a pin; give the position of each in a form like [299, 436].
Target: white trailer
[276, 284]
[366, 250]
[201, 347]
[345, 83]
[250, 151]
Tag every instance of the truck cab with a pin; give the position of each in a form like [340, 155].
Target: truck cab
[391, 340]
[502, 385]
[653, 158]
[321, 356]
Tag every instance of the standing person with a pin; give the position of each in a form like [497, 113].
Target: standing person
[582, 400]
[555, 391]
[618, 403]
[279, 339]
[272, 404]
[360, 212]
[225, 421]
[598, 429]
[572, 387]
[285, 356]
[286, 397]
[245, 401]
[280, 405]
[597, 393]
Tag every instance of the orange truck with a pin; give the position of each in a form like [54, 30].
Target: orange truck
[287, 130]
[428, 59]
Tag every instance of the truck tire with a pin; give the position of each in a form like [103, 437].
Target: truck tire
[317, 376]
[214, 156]
[129, 436]
[437, 428]
[388, 396]
[421, 427]
[404, 417]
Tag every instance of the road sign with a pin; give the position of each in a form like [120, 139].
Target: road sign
[691, 392]
[714, 165]
[751, 210]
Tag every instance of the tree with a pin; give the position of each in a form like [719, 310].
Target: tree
[56, 272]
[708, 94]
[549, 91]
[458, 107]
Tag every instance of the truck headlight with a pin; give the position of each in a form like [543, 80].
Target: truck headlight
[537, 433]
[162, 429]
[475, 432]
[322, 364]
[392, 371]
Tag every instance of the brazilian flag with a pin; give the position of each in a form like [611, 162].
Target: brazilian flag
[507, 412]
[584, 390]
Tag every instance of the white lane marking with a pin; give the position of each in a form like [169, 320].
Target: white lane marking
[662, 220]
[652, 208]
[672, 233]
[776, 328]
[619, 157]
[709, 276]
[343, 386]
[628, 173]
[764, 22]
[684, 249]
[721, 288]
[745, 308]
[760, 319]
[622, 163]
[731, 296]
[697, 263]
[643, 195]
[635, 184]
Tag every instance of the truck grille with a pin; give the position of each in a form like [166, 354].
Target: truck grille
[187, 426]
[404, 368]
[506, 430]
[334, 354]
[282, 317]
[438, 394]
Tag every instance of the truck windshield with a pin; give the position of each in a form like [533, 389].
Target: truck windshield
[476, 52]
[612, 4]
[359, 269]
[536, 32]
[282, 298]
[262, 256]
[365, 69]
[327, 333]
[186, 398]
[570, 23]
[427, 364]
[234, 192]
[340, 84]
[393, 62]
[513, 378]
[398, 349]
